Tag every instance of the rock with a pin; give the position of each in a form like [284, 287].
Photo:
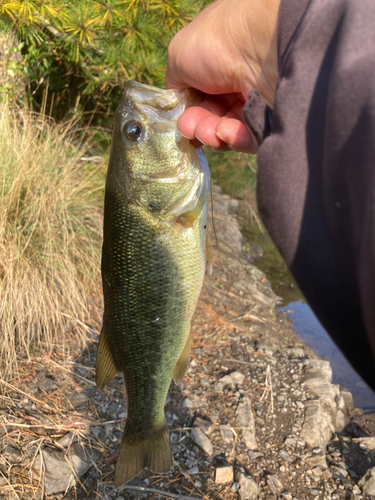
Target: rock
[341, 421]
[138, 494]
[286, 495]
[317, 460]
[77, 399]
[245, 419]
[226, 434]
[290, 442]
[339, 471]
[367, 483]
[224, 474]
[206, 426]
[12, 454]
[237, 377]
[187, 403]
[58, 473]
[200, 438]
[274, 484]
[46, 384]
[205, 382]
[68, 439]
[248, 488]
[285, 456]
[235, 487]
[318, 427]
[295, 352]
[193, 470]
[368, 442]
[113, 408]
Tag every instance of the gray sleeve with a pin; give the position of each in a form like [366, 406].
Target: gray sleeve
[316, 166]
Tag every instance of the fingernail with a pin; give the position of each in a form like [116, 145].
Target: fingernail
[200, 140]
[221, 138]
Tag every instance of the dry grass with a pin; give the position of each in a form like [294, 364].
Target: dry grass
[50, 234]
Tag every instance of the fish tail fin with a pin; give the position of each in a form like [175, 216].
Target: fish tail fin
[138, 452]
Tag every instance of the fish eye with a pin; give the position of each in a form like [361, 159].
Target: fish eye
[133, 130]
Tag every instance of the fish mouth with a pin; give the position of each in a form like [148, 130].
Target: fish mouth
[161, 108]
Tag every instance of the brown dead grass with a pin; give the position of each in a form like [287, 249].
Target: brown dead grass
[50, 234]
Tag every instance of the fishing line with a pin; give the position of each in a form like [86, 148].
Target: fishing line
[212, 215]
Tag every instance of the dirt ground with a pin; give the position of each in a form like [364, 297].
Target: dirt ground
[59, 435]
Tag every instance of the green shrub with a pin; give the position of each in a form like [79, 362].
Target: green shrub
[78, 54]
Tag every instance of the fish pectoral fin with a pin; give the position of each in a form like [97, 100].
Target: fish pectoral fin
[105, 368]
[183, 361]
[209, 256]
[138, 452]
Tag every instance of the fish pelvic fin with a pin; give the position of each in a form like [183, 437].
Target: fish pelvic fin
[138, 452]
[105, 368]
[183, 361]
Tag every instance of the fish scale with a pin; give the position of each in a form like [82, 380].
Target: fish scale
[153, 264]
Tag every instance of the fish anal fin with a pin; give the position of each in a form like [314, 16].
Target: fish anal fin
[105, 368]
[137, 453]
[209, 256]
[183, 361]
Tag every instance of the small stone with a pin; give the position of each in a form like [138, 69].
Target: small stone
[113, 407]
[315, 492]
[284, 455]
[187, 403]
[245, 419]
[339, 471]
[12, 454]
[367, 483]
[274, 484]
[58, 473]
[317, 471]
[206, 426]
[193, 470]
[77, 399]
[200, 438]
[290, 442]
[95, 431]
[237, 377]
[223, 474]
[138, 494]
[248, 488]
[226, 434]
[205, 382]
[198, 484]
[235, 486]
[68, 439]
[287, 496]
[46, 384]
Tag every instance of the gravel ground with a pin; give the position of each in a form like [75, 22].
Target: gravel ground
[255, 417]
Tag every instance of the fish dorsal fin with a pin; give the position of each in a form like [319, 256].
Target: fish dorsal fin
[209, 256]
[183, 361]
[105, 367]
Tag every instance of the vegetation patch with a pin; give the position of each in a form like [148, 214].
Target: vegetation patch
[50, 234]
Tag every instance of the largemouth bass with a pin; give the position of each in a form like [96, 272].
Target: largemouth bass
[153, 263]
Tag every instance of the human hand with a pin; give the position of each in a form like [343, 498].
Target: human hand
[229, 49]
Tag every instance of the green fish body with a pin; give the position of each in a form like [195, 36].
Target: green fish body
[153, 263]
